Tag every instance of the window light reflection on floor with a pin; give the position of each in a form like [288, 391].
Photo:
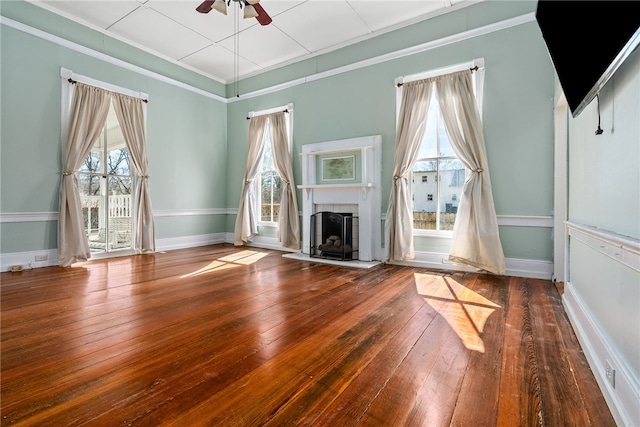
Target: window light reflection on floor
[463, 309]
[230, 261]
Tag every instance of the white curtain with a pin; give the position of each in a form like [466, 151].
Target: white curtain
[288, 221]
[475, 233]
[246, 222]
[416, 97]
[130, 115]
[89, 110]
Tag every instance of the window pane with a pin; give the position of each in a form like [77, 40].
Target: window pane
[425, 186]
[429, 144]
[118, 162]
[120, 196]
[93, 162]
[270, 194]
[89, 184]
[92, 201]
[112, 132]
[267, 155]
[105, 190]
[446, 150]
[119, 212]
[452, 176]
[425, 166]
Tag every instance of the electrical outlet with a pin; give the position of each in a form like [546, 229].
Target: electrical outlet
[610, 374]
[39, 258]
[16, 268]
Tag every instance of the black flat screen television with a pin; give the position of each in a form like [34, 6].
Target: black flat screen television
[587, 42]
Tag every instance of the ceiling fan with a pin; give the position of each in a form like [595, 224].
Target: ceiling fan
[252, 9]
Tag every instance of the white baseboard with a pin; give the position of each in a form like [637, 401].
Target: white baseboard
[624, 399]
[184, 242]
[515, 267]
[262, 242]
[533, 269]
[27, 260]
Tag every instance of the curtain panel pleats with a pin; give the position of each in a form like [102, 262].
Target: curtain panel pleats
[246, 221]
[130, 115]
[412, 120]
[246, 226]
[89, 108]
[288, 221]
[475, 240]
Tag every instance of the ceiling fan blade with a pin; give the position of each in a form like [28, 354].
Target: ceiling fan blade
[205, 6]
[263, 17]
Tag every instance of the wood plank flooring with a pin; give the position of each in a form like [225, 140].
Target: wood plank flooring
[227, 336]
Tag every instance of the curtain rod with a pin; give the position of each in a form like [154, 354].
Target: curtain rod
[283, 111]
[472, 69]
[70, 80]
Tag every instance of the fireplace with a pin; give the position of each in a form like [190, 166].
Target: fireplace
[343, 176]
[334, 235]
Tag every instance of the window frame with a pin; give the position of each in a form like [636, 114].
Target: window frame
[104, 177]
[478, 85]
[288, 109]
[68, 79]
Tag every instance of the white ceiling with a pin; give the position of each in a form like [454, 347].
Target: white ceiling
[172, 29]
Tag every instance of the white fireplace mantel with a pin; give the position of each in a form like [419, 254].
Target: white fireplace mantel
[365, 194]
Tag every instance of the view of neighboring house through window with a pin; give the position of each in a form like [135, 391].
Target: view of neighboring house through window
[105, 182]
[270, 182]
[438, 177]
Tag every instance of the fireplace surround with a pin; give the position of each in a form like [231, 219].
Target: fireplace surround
[343, 176]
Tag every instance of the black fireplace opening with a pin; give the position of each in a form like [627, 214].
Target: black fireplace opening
[334, 236]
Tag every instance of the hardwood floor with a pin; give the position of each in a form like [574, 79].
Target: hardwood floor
[226, 336]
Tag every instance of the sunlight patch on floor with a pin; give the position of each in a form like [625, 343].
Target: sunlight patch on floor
[230, 261]
[244, 257]
[464, 310]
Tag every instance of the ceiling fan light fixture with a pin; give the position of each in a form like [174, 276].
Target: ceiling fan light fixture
[250, 12]
[220, 6]
[252, 1]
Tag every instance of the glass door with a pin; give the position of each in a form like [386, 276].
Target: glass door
[105, 191]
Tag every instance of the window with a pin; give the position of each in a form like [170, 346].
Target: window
[269, 181]
[438, 175]
[105, 183]
[437, 158]
[270, 185]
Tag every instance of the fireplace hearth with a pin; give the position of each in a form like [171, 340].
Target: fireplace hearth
[334, 235]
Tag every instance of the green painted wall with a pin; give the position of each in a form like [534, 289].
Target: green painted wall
[518, 101]
[198, 146]
[604, 193]
[186, 133]
[601, 195]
